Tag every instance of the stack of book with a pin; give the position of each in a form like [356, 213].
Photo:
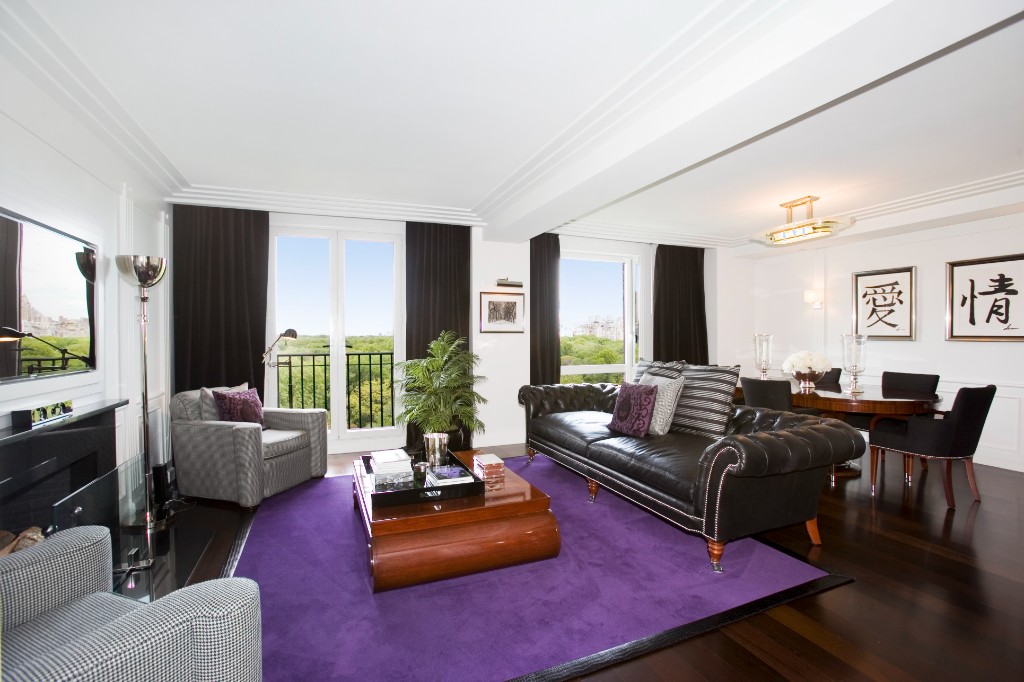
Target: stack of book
[390, 468]
[448, 475]
[491, 469]
[488, 466]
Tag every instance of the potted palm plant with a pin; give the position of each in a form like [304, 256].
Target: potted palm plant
[439, 393]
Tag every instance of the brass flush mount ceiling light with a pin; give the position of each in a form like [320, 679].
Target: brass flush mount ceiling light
[802, 230]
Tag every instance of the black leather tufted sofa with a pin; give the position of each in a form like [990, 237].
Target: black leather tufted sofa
[767, 471]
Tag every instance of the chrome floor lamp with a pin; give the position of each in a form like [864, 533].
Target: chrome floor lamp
[144, 272]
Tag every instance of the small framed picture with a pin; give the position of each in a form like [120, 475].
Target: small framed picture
[502, 312]
[883, 303]
[983, 300]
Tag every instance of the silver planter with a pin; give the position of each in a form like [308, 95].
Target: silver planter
[436, 447]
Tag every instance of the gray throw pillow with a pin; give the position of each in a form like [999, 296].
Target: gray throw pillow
[208, 411]
[665, 403]
[706, 403]
[670, 370]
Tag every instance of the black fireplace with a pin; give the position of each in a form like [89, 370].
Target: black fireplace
[41, 466]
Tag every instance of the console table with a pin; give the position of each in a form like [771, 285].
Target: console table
[41, 466]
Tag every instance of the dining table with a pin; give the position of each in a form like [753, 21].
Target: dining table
[834, 401]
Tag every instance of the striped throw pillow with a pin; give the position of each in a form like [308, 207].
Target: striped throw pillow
[705, 405]
[668, 370]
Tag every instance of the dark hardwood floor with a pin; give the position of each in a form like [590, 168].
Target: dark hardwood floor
[938, 594]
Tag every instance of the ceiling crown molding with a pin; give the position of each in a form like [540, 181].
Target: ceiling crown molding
[941, 196]
[312, 204]
[40, 53]
[644, 235]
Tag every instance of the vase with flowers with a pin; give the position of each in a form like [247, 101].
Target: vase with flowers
[806, 367]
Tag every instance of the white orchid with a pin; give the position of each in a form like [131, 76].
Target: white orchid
[806, 361]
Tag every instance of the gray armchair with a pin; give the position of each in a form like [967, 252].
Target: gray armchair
[239, 461]
[62, 622]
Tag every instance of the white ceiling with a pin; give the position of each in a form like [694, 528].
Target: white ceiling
[661, 120]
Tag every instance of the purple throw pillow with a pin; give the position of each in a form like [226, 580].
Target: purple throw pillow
[633, 409]
[239, 406]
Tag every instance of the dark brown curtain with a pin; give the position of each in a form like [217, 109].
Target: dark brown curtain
[10, 293]
[220, 296]
[437, 295]
[680, 318]
[545, 342]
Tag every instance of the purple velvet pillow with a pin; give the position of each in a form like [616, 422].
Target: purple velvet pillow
[239, 406]
[633, 409]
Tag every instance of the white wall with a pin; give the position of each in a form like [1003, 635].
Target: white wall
[58, 172]
[766, 295]
[504, 358]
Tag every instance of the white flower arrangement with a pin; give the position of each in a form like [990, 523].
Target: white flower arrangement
[806, 361]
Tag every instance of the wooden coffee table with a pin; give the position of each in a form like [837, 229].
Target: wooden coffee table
[427, 541]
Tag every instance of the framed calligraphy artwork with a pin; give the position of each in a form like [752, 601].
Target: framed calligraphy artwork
[883, 303]
[983, 299]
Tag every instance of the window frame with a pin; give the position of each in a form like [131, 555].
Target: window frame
[637, 260]
[339, 230]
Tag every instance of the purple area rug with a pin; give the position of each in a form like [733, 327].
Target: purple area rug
[625, 583]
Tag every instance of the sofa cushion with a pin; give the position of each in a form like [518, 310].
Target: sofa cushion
[668, 463]
[208, 404]
[705, 404]
[633, 409]
[669, 370]
[572, 430]
[277, 442]
[665, 403]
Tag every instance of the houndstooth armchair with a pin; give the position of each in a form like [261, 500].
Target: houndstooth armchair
[62, 622]
[239, 461]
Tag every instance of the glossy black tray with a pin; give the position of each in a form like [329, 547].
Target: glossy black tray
[418, 491]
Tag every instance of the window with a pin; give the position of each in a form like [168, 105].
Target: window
[336, 288]
[598, 316]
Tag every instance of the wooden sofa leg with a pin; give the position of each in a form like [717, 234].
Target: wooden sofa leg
[592, 488]
[812, 530]
[715, 549]
[530, 453]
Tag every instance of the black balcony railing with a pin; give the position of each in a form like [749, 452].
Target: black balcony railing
[303, 380]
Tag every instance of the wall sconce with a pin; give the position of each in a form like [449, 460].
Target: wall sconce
[815, 297]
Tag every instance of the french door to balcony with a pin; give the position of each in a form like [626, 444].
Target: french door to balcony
[342, 292]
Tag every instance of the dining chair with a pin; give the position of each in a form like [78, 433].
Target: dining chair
[830, 378]
[771, 393]
[948, 436]
[897, 381]
[775, 394]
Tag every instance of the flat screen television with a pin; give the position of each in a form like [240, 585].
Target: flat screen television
[47, 301]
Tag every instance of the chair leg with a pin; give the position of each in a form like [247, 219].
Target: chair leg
[908, 469]
[969, 463]
[874, 467]
[947, 483]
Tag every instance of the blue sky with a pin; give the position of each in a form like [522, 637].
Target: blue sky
[303, 286]
[587, 288]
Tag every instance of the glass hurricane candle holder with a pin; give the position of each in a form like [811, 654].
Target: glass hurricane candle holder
[854, 359]
[763, 353]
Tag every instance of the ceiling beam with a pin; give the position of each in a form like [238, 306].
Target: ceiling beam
[727, 110]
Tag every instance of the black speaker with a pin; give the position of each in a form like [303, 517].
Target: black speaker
[161, 484]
